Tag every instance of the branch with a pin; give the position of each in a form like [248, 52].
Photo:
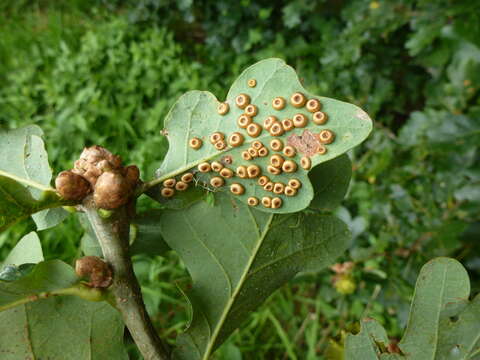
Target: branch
[113, 235]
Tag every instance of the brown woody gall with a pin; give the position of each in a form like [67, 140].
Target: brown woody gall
[71, 186]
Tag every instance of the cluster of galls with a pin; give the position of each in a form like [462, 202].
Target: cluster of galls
[99, 171]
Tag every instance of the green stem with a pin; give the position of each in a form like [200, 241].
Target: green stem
[77, 290]
[113, 235]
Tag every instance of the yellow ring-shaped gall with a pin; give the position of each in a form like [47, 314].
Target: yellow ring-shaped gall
[287, 124]
[294, 184]
[300, 120]
[289, 166]
[257, 145]
[187, 177]
[251, 110]
[298, 99]
[169, 183]
[277, 160]
[167, 192]
[252, 83]
[246, 155]
[273, 170]
[276, 203]
[216, 166]
[306, 163]
[195, 143]
[253, 171]
[216, 136]
[242, 101]
[252, 201]
[276, 129]
[217, 181]
[263, 152]
[313, 105]
[236, 139]
[223, 108]
[243, 121]
[262, 180]
[278, 103]
[204, 167]
[278, 188]
[237, 189]
[269, 121]
[289, 151]
[268, 186]
[253, 153]
[276, 145]
[326, 136]
[289, 191]
[267, 201]
[254, 130]
[220, 145]
[242, 172]
[319, 118]
[226, 173]
[181, 186]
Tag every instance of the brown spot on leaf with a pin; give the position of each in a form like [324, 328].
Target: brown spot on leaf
[227, 159]
[307, 144]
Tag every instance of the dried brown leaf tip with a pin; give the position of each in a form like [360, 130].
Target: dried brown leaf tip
[96, 270]
[100, 171]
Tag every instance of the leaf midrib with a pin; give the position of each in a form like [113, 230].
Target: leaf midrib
[231, 301]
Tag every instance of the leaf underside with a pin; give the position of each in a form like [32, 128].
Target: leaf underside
[195, 115]
[442, 324]
[23, 161]
[238, 257]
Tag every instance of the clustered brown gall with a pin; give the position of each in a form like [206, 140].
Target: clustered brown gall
[96, 270]
[99, 171]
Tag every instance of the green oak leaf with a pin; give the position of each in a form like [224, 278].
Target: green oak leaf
[31, 310]
[27, 250]
[196, 114]
[330, 182]
[83, 330]
[45, 279]
[25, 176]
[442, 325]
[237, 256]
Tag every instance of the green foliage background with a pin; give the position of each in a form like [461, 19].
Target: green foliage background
[106, 72]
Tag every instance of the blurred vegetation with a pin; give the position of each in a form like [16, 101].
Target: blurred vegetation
[107, 72]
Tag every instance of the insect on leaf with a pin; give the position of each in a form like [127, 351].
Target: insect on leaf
[266, 103]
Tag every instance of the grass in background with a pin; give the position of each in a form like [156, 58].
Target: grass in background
[94, 72]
